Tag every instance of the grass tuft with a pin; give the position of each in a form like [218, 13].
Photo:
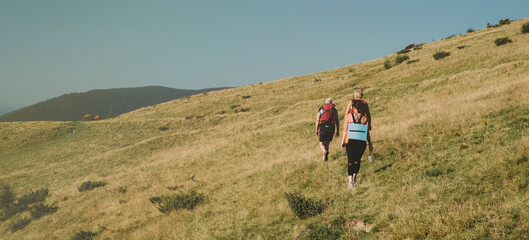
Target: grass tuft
[525, 28]
[440, 55]
[401, 59]
[18, 224]
[40, 209]
[33, 197]
[403, 51]
[304, 207]
[88, 185]
[387, 64]
[502, 41]
[174, 202]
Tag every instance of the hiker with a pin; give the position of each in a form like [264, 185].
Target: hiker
[355, 148]
[357, 96]
[326, 122]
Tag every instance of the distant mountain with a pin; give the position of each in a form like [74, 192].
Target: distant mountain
[73, 106]
[7, 109]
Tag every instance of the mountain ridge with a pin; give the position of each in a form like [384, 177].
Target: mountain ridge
[73, 106]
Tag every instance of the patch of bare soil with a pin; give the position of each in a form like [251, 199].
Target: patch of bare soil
[358, 224]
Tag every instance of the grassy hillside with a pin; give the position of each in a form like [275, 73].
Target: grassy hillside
[73, 106]
[451, 139]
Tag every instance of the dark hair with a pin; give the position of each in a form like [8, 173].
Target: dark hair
[359, 105]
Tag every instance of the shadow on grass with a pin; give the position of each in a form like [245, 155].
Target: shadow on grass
[384, 167]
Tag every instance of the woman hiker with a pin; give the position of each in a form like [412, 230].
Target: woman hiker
[355, 148]
[357, 96]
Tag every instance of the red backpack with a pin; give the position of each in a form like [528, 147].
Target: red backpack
[328, 114]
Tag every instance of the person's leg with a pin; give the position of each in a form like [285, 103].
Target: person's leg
[350, 158]
[323, 139]
[322, 147]
[359, 150]
[326, 143]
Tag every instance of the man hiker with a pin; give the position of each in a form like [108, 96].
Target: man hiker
[326, 124]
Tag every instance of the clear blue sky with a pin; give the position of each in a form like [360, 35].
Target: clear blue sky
[53, 47]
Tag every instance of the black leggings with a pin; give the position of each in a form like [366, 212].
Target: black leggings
[355, 149]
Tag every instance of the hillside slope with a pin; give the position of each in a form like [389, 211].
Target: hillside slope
[451, 140]
[73, 106]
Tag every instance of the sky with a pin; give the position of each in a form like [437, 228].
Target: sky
[53, 47]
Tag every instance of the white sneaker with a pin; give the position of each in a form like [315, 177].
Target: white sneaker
[350, 185]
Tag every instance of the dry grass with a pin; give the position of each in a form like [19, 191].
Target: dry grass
[450, 136]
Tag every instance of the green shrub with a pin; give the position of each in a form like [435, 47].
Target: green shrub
[199, 117]
[13, 210]
[401, 59]
[501, 22]
[304, 207]
[504, 21]
[462, 46]
[317, 80]
[88, 185]
[234, 106]
[88, 235]
[502, 41]
[10, 205]
[323, 233]
[245, 109]
[84, 235]
[469, 30]
[188, 117]
[387, 64]
[403, 51]
[33, 197]
[412, 61]
[246, 97]
[7, 198]
[169, 203]
[418, 46]
[164, 128]
[40, 209]
[439, 55]
[525, 28]
[18, 224]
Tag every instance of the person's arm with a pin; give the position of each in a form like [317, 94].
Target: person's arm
[349, 105]
[337, 121]
[318, 122]
[368, 115]
[344, 134]
[369, 143]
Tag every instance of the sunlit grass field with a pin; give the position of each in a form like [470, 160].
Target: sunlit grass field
[451, 139]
